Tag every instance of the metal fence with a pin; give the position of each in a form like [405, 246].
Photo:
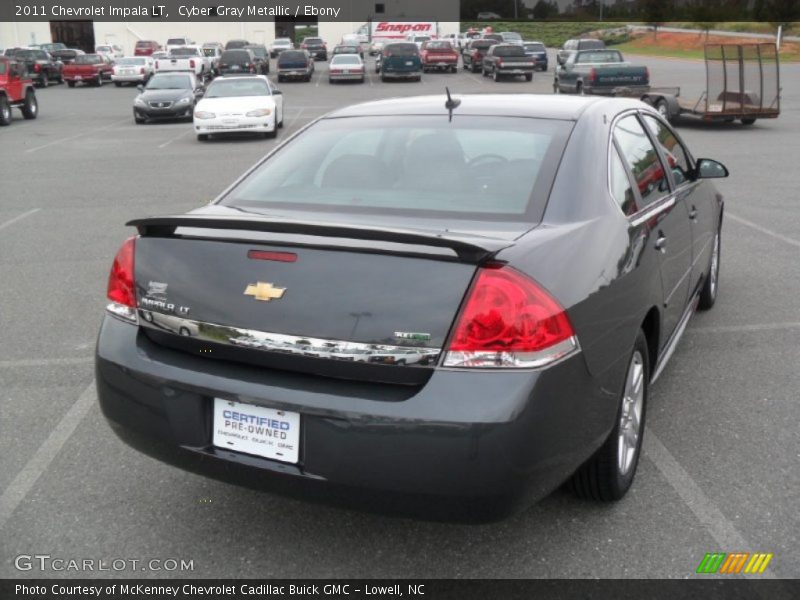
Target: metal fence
[742, 79]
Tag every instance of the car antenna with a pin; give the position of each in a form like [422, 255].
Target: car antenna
[451, 104]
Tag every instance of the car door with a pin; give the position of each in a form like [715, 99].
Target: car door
[697, 197]
[566, 73]
[663, 212]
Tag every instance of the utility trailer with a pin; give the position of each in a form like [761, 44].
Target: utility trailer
[742, 82]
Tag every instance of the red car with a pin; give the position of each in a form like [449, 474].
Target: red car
[438, 55]
[16, 90]
[88, 68]
[146, 48]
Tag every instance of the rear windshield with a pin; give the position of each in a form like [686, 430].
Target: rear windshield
[164, 81]
[590, 44]
[143, 44]
[258, 51]
[346, 59]
[288, 55]
[176, 41]
[103, 49]
[511, 36]
[401, 50]
[226, 88]
[312, 41]
[130, 61]
[88, 59]
[209, 51]
[483, 44]
[509, 51]
[235, 56]
[485, 168]
[25, 54]
[184, 52]
[346, 50]
[535, 48]
[282, 41]
[609, 56]
[439, 46]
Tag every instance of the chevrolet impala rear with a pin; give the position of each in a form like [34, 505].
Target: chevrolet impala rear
[395, 320]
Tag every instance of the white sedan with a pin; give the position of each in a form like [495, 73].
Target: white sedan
[243, 104]
[346, 67]
[132, 69]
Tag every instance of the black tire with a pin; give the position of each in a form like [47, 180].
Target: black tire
[601, 477]
[71, 84]
[484, 72]
[280, 78]
[474, 68]
[271, 134]
[137, 119]
[118, 83]
[44, 81]
[184, 331]
[556, 88]
[30, 109]
[202, 137]
[708, 295]
[99, 82]
[528, 76]
[663, 109]
[495, 75]
[383, 78]
[579, 88]
[5, 112]
[747, 121]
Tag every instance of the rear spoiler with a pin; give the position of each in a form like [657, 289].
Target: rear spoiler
[471, 249]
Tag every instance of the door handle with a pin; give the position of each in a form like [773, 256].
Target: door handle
[661, 242]
[693, 213]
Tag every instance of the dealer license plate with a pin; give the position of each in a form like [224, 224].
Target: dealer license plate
[258, 430]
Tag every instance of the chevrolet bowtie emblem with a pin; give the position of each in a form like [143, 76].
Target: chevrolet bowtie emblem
[264, 291]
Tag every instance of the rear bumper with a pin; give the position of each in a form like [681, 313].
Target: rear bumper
[400, 74]
[294, 73]
[346, 77]
[511, 435]
[139, 78]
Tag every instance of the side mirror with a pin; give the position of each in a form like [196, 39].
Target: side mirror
[561, 60]
[140, 87]
[199, 91]
[707, 168]
[276, 92]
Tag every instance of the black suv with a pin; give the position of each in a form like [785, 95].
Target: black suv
[237, 62]
[41, 67]
[315, 47]
[261, 54]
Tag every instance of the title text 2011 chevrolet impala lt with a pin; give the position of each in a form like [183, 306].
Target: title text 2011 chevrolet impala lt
[451, 297]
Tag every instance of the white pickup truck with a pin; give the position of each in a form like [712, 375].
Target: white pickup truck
[186, 58]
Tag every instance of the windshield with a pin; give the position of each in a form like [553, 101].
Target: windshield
[227, 88]
[401, 50]
[88, 59]
[509, 51]
[608, 56]
[346, 59]
[535, 47]
[130, 61]
[346, 50]
[235, 56]
[164, 81]
[439, 46]
[412, 165]
[291, 55]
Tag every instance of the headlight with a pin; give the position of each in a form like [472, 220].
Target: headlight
[201, 114]
[140, 102]
[184, 100]
[261, 112]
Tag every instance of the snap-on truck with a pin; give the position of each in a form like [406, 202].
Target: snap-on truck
[398, 31]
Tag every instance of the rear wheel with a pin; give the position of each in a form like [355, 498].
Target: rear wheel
[708, 295]
[118, 83]
[31, 107]
[71, 84]
[747, 121]
[609, 473]
[44, 81]
[579, 88]
[5, 111]
[202, 137]
[556, 88]
[528, 76]
[663, 109]
[99, 81]
[495, 75]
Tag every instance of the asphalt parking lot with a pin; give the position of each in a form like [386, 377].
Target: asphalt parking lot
[720, 470]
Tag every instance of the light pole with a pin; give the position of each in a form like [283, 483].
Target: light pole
[357, 316]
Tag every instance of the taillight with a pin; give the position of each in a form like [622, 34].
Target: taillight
[252, 68]
[475, 54]
[121, 284]
[508, 320]
[592, 75]
[499, 62]
[191, 63]
[37, 67]
[304, 45]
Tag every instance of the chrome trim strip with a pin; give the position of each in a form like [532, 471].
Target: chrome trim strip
[290, 344]
[676, 336]
[513, 360]
[653, 211]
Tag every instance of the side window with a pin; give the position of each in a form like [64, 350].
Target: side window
[677, 157]
[621, 185]
[642, 159]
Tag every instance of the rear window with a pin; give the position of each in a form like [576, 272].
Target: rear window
[176, 41]
[235, 56]
[24, 54]
[143, 44]
[509, 51]
[88, 59]
[288, 55]
[482, 45]
[485, 168]
[535, 47]
[130, 61]
[346, 59]
[610, 56]
[184, 52]
[439, 46]
[401, 50]
[312, 41]
[258, 51]
[591, 44]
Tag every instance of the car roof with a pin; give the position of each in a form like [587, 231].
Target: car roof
[538, 106]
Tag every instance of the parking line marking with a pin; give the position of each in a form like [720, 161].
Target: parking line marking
[725, 534]
[294, 119]
[177, 137]
[481, 80]
[764, 230]
[45, 362]
[19, 217]
[22, 484]
[745, 328]
[77, 135]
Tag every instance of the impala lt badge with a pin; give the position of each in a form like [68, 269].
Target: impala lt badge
[264, 291]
